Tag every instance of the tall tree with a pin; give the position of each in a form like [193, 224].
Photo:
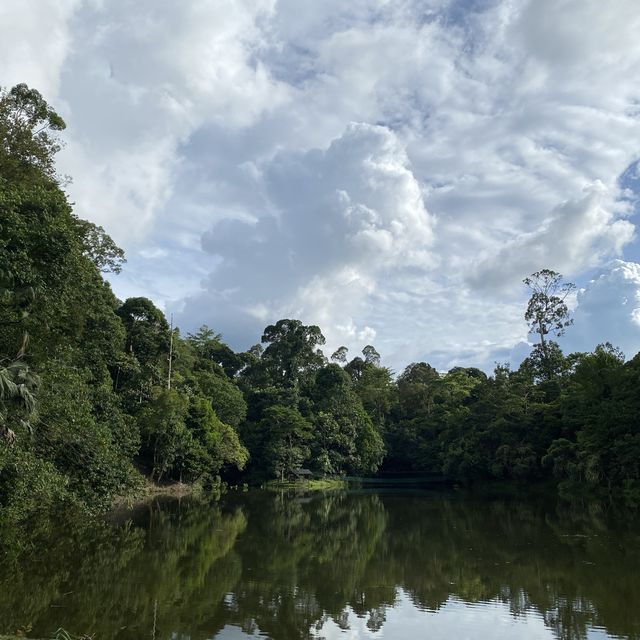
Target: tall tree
[147, 345]
[292, 351]
[211, 350]
[285, 441]
[547, 312]
[340, 355]
[28, 142]
[371, 356]
[345, 439]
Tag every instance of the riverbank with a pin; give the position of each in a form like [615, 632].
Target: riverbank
[323, 484]
[149, 490]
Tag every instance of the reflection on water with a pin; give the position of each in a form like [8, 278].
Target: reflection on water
[343, 565]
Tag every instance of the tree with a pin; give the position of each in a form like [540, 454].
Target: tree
[345, 439]
[286, 435]
[213, 444]
[412, 416]
[377, 391]
[210, 350]
[355, 368]
[98, 246]
[17, 396]
[27, 144]
[416, 388]
[164, 432]
[546, 363]
[223, 395]
[147, 341]
[292, 351]
[84, 433]
[340, 355]
[147, 328]
[547, 311]
[17, 382]
[371, 356]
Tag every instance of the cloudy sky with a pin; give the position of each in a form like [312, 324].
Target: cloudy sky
[387, 169]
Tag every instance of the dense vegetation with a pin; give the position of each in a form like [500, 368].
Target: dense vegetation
[94, 390]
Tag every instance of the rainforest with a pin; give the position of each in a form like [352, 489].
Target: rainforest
[100, 395]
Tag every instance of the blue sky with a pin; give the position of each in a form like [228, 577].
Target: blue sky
[388, 169]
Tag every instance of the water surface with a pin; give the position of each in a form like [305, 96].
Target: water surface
[350, 565]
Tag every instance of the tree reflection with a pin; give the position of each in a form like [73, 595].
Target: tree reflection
[169, 571]
[283, 564]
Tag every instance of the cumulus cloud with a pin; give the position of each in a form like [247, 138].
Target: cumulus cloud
[36, 41]
[339, 219]
[576, 235]
[213, 140]
[608, 311]
[135, 81]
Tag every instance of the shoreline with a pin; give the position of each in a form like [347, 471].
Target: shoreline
[149, 491]
[325, 484]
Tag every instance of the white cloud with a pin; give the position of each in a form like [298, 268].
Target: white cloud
[138, 80]
[576, 235]
[608, 311]
[511, 122]
[340, 219]
[35, 42]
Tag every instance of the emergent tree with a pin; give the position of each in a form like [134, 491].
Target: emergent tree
[547, 312]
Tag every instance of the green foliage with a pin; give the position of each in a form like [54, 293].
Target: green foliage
[84, 433]
[17, 396]
[377, 391]
[546, 363]
[100, 248]
[58, 316]
[27, 144]
[291, 352]
[147, 330]
[183, 438]
[547, 314]
[144, 363]
[28, 484]
[210, 370]
[218, 442]
[340, 355]
[547, 311]
[284, 437]
[210, 351]
[225, 397]
[164, 432]
[86, 397]
[345, 438]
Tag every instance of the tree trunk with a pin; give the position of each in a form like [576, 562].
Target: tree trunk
[543, 346]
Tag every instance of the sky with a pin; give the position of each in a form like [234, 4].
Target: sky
[453, 619]
[387, 169]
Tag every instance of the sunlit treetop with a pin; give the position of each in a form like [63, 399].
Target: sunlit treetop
[28, 140]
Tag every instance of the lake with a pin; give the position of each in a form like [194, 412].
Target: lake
[376, 563]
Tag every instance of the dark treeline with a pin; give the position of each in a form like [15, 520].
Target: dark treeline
[94, 390]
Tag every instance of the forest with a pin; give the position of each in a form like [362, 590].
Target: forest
[97, 394]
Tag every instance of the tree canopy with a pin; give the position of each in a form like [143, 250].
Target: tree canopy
[88, 404]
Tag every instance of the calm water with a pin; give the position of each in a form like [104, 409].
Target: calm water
[394, 565]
